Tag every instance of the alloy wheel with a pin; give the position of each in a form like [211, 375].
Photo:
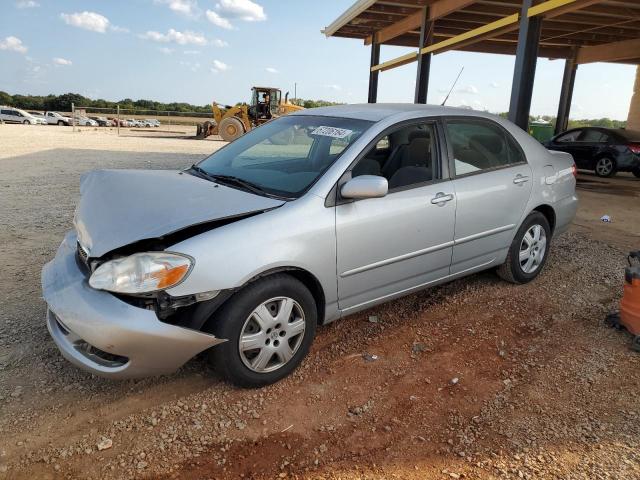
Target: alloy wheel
[533, 249]
[272, 334]
[604, 167]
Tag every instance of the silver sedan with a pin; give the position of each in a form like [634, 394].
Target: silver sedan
[307, 219]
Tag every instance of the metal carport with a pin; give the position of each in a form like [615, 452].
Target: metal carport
[578, 31]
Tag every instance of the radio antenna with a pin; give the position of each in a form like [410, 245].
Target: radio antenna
[452, 87]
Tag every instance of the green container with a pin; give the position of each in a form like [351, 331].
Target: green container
[541, 131]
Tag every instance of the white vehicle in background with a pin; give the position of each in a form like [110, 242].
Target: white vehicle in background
[152, 122]
[54, 118]
[39, 117]
[15, 115]
[135, 123]
[83, 121]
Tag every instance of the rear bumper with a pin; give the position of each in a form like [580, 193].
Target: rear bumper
[565, 212]
[99, 333]
[627, 162]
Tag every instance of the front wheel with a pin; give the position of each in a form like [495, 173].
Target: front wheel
[269, 327]
[636, 172]
[60, 122]
[605, 167]
[231, 128]
[26, 122]
[528, 251]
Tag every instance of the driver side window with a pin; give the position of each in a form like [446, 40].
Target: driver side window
[404, 156]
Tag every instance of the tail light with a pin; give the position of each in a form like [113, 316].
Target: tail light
[574, 170]
[635, 148]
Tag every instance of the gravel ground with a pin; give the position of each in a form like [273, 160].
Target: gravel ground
[474, 379]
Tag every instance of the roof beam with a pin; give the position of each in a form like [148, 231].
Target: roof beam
[355, 10]
[610, 52]
[553, 8]
[437, 9]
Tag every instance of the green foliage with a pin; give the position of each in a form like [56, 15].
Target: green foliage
[63, 103]
[596, 122]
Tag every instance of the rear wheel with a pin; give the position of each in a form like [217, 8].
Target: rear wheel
[605, 167]
[636, 172]
[528, 252]
[231, 128]
[269, 327]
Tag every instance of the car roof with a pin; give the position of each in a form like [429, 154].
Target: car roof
[376, 112]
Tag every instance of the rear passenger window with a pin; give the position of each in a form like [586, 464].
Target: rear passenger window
[593, 136]
[479, 145]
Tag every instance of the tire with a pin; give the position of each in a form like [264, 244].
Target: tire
[26, 122]
[518, 269]
[231, 128]
[270, 361]
[60, 122]
[605, 167]
[636, 172]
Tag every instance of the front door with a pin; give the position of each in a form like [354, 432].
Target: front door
[388, 246]
[492, 185]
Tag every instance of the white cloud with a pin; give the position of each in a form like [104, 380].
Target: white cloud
[219, 66]
[87, 20]
[166, 50]
[115, 28]
[218, 21]
[13, 44]
[271, 70]
[470, 89]
[184, 7]
[494, 85]
[194, 67]
[192, 52]
[242, 9]
[216, 42]
[62, 61]
[181, 38]
[27, 4]
[333, 86]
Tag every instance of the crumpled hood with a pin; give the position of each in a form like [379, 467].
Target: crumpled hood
[120, 207]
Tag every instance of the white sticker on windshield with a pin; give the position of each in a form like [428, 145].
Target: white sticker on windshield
[332, 132]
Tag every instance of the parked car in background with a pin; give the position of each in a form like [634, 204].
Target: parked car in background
[39, 117]
[16, 115]
[311, 217]
[152, 122]
[54, 118]
[101, 121]
[83, 121]
[603, 150]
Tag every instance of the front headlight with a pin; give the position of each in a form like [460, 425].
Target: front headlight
[141, 272]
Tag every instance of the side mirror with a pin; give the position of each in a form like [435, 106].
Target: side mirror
[365, 186]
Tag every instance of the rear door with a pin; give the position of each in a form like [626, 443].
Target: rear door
[492, 183]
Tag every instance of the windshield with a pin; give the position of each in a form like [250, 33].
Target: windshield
[286, 156]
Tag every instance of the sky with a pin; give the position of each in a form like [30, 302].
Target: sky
[197, 51]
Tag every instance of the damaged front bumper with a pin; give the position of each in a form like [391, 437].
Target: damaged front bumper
[100, 333]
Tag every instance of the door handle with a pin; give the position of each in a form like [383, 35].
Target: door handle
[520, 179]
[441, 198]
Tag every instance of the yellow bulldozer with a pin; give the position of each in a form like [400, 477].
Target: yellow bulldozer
[266, 104]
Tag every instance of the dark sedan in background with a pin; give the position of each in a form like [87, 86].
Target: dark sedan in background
[603, 150]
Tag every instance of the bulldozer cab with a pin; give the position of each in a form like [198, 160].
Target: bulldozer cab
[265, 103]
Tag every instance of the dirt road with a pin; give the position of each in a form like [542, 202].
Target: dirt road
[474, 379]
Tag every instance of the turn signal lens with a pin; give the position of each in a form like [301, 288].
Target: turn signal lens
[141, 273]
